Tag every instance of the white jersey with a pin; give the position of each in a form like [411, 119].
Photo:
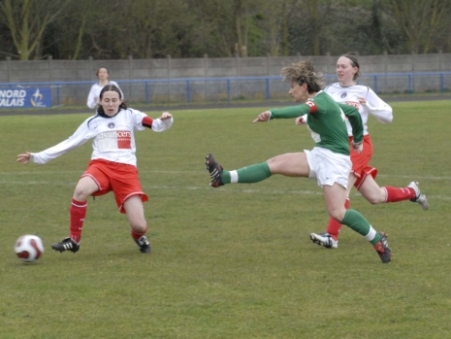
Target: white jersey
[95, 93]
[374, 105]
[113, 137]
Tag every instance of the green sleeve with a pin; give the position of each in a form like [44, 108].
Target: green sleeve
[289, 112]
[355, 120]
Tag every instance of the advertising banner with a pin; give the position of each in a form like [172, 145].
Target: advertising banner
[26, 97]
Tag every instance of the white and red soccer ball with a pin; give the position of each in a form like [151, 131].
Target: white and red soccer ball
[29, 247]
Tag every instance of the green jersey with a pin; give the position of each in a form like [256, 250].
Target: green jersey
[326, 121]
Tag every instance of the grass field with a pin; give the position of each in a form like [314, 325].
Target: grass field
[234, 262]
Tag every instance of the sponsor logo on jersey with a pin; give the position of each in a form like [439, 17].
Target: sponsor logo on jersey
[313, 107]
[123, 138]
[353, 104]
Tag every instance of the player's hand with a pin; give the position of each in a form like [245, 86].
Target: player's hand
[24, 157]
[302, 120]
[357, 147]
[263, 117]
[165, 116]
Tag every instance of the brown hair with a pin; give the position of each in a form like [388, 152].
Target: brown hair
[354, 63]
[112, 88]
[304, 72]
[107, 71]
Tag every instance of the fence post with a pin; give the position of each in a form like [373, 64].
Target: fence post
[205, 75]
[268, 60]
[328, 62]
[168, 74]
[91, 71]
[50, 67]
[385, 71]
[268, 93]
[130, 76]
[8, 68]
[188, 91]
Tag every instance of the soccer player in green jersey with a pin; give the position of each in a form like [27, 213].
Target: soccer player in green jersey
[328, 162]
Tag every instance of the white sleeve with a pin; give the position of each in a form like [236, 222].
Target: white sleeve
[159, 125]
[91, 102]
[81, 135]
[378, 108]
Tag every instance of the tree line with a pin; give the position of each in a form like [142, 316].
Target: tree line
[144, 29]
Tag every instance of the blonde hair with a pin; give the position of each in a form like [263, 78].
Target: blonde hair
[304, 72]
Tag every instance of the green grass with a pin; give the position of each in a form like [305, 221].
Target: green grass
[234, 262]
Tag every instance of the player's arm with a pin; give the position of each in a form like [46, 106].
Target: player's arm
[80, 136]
[91, 102]
[286, 113]
[355, 119]
[163, 123]
[378, 107]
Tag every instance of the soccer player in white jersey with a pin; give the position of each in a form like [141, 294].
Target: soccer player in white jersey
[94, 94]
[328, 162]
[112, 166]
[362, 176]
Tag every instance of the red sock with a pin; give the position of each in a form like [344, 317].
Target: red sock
[77, 218]
[399, 194]
[334, 227]
[137, 235]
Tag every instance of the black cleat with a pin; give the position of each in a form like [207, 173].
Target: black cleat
[382, 249]
[66, 245]
[214, 169]
[144, 244]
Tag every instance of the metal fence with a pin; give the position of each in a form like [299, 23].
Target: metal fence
[228, 89]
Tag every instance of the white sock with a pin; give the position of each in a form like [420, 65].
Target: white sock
[233, 177]
[371, 234]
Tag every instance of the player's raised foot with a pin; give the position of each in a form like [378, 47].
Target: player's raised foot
[324, 239]
[66, 245]
[383, 249]
[214, 169]
[420, 198]
[143, 244]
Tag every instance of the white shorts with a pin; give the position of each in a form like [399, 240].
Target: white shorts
[327, 167]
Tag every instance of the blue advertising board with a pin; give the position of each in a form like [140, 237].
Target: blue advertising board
[36, 97]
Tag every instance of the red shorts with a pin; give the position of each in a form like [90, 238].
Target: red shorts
[122, 179]
[360, 161]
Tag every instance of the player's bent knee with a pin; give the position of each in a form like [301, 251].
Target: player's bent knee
[139, 227]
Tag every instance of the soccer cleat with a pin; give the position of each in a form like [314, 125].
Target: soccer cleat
[214, 169]
[420, 198]
[144, 244]
[324, 239]
[382, 249]
[66, 245]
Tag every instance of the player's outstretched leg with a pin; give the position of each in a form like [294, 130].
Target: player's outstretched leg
[66, 245]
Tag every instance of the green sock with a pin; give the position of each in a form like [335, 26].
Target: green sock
[358, 223]
[247, 175]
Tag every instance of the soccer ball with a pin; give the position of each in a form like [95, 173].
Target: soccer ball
[29, 248]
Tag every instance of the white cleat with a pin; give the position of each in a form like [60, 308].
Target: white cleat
[324, 239]
[420, 198]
